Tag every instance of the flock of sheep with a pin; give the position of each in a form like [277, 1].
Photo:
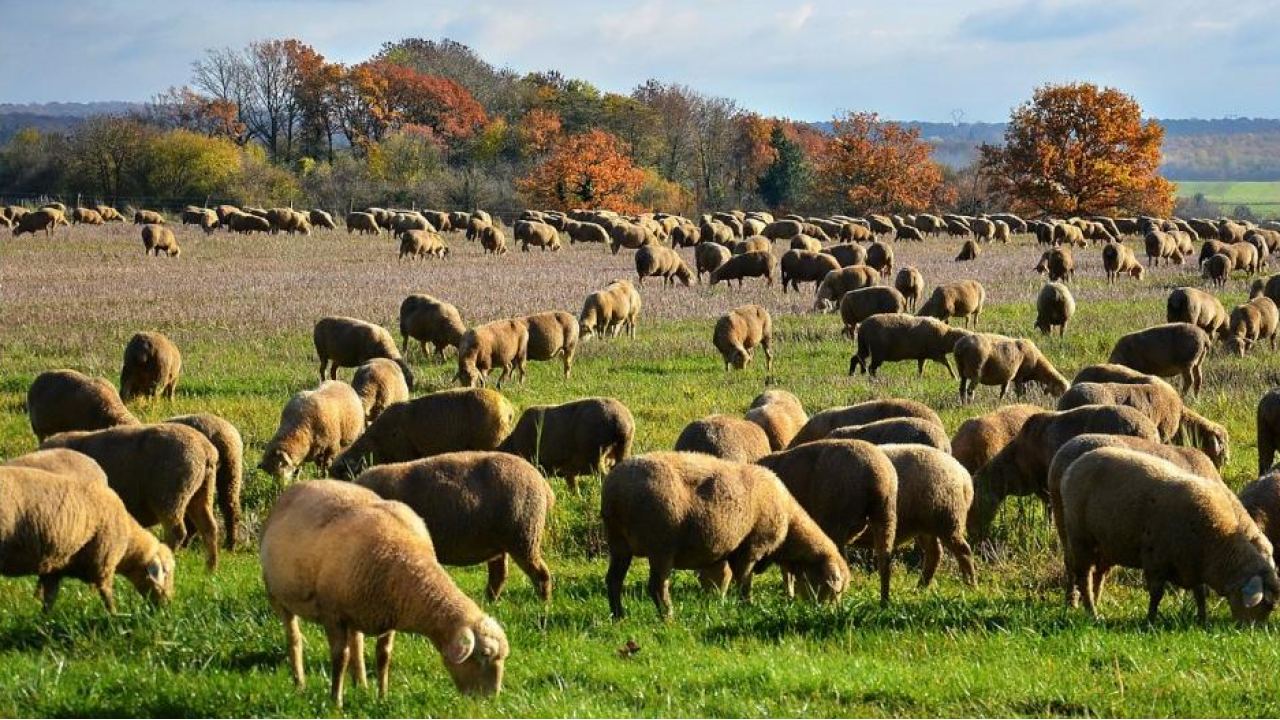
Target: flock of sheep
[455, 478]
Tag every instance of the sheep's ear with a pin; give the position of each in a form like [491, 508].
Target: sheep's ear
[461, 647]
[155, 570]
[1251, 593]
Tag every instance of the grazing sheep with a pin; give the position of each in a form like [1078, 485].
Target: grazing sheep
[978, 439]
[148, 217]
[739, 331]
[379, 383]
[663, 262]
[1157, 400]
[61, 461]
[493, 240]
[441, 422]
[1250, 322]
[611, 310]
[801, 266]
[365, 222]
[962, 299]
[990, 359]
[315, 426]
[422, 244]
[1058, 263]
[552, 334]
[62, 400]
[1268, 429]
[1127, 508]
[827, 421]
[158, 239]
[348, 342]
[782, 229]
[427, 319]
[339, 555]
[709, 256]
[858, 305]
[586, 232]
[151, 367]
[726, 437]
[896, 431]
[226, 439]
[1217, 270]
[245, 223]
[537, 234]
[693, 511]
[1055, 307]
[893, 337]
[1117, 260]
[880, 257]
[910, 283]
[109, 213]
[749, 264]
[1161, 245]
[58, 526]
[1165, 351]
[164, 473]
[1195, 306]
[86, 216]
[848, 255]
[803, 242]
[479, 507]
[501, 343]
[781, 416]
[968, 251]
[321, 219]
[583, 437]
[31, 222]
[838, 282]
[907, 232]
[1261, 500]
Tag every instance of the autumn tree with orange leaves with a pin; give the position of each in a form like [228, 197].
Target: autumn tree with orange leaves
[1079, 149]
[872, 165]
[591, 170]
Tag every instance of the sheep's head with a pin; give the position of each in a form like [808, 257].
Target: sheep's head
[154, 578]
[475, 657]
[684, 274]
[277, 463]
[1252, 600]
[825, 580]
[738, 358]
[1238, 345]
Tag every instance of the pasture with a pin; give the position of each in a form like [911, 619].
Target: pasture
[242, 309]
[1262, 197]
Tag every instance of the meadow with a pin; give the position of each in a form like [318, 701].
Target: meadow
[1262, 197]
[242, 309]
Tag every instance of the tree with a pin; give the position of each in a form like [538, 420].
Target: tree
[383, 96]
[189, 110]
[872, 165]
[105, 156]
[1078, 149]
[591, 170]
[783, 183]
[31, 161]
[185, 164]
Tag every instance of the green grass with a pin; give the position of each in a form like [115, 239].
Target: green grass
[1007, 647]
[1260, 196]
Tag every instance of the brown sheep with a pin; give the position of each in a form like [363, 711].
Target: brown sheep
[441, 422]
[62, 400]
[962, 299]
[978, 439]
[365, 222]
[896, 431]
[44, 219]
[1250, 322]
[1165, 351]
[1268, 429]
[427, 319]
[147, 217]
[552, 334]
[858, 305]
[781, 416]
[151, 367]
[1217, 270]
[245, 223]
[750, 264]
[708, 257]
[801, 266]
[782, 229]
[739, 331]
[1161, 245]
[226, 439]
[61, 461]
[611, 310]
[321, 219]
[1261, 500]
[583, 437]
[910, 283]
[348, 342]
[501, 343]
[1195, 306]
[880, 257]
[1110, 373]
[493, 240]
[86, 216]
[848, 255]
[422, 244]
[1055, 306]
[893, 337]
[157, 239]
[968, 251]
[1269, 287]
[838, 282]
[379, 383]
[693, 511]
[1117, 260]
[663, 262]
[479, 507]
[586, 232]
[624, 234]
[825, 422]
[536, 234]
[990, 359]
[315, 426]
[726, 437]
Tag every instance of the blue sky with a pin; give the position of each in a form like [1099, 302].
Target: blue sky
[907, 59]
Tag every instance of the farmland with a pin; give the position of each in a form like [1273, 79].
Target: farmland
[1263, 198]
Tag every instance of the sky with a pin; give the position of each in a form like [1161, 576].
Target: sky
[937, 60]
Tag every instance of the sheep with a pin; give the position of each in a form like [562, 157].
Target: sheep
[782, 229]
[1117, 260]
[804, 243]
[537, 234]
[694, 511]
[422, 244]
[583, 437]
[858, 305]
[892, 337]
[440, 422]
[1217, 270]
[800, 266]
[1165, 351]
[157, 239]
[1250, 322]
[62, 400]
[1055, 307]
[86, 216]
[896, 431]
[1066, 234]
[624, 234]
[148, 217]
[713, 230]
[850, 489]
[750, 264]
[501, 343]
[315, 426]
[968, 251]
[1127, 508]
[479, 507]
[1022, 466]
[45, 219]
[493, 240]
[663, 262]
[708, 257]
[338, 554]
[746, 245]
[738, 332]
[907, 232]
[427, 319]
[962, 299]
[244, 223]
[910, 283]
[348, 342]
[838, 282]
[1270, 287]
[164, 473]
[823, 423]
[880, 257]
[1261, 500]
[1195, 306]
[586, 232]
[363, 222]
[1268, 429]
[780, 414]
[57, 525]
[109, 213]
[228, 483]
[552, 334]
[61, 461]
[612, 310]
[1161, 245]
[379, 383]
[321, 219]
[978, 439]
[726, 437]
[848, 255]
[990, 359]
[151, 367]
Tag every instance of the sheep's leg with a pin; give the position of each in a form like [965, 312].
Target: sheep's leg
[47, 590]
[571, 481]
[338, 656]
[947, 364]
[106, 591]
[1099, 578]
[323, 363]
[175, 533]
[716, 578]
[768, 354]
[619, 564]
[743, 568]
[1155, 592]
[497, 577]
[931, 547]
[960, 550]
[660, 584]
[384, 647]
[883, 544]
[854, 362]
[531, 563]
[506, 372]
[1202, 612]
[1266, 450]
[200, 512]
[229, 505]
[1084, 582]
[355, 651]
[293, 641]
[567, 359]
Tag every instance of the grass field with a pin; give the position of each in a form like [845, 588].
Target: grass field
[242, 311]
[1263, 198]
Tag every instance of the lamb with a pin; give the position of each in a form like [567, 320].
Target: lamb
[1195, 306]
[58, 525]
[229, 481]
[1117, 260]
[445, 421]
[910, 283]
[780, 415]
[896, 431]
[157, 239]
[749, 264]
[537, 234]
[552, 334]
[968, 251]
[663, 262]
[1165, 351]
[1055, 307]
[61, 461]
[850, 489]
[427, 319]
[379, 383]
[164, 473]
[612, 310]
[894, 337]
[479, 507]
[738, 332]
[1161, 245]
[1217, 270]
[493, 240]
[1127, 508]
[348, 342]
[838, 282]
[582, 437]
[315, 426]
[151, 367]
[693, 511]
[858, 305]
[708, 257]
[800, 266]
[782, 229]
[501, 343]
[62, 400]
[978, 439]
[422, 244]
[365, 222]
[1268, 429]
[338, 554]
[990, 359]
[1250, 322]
[726, 437]
[825, 422]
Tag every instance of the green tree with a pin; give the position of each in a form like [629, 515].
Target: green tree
[185, 164]
[784, 182]
[31, 161]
